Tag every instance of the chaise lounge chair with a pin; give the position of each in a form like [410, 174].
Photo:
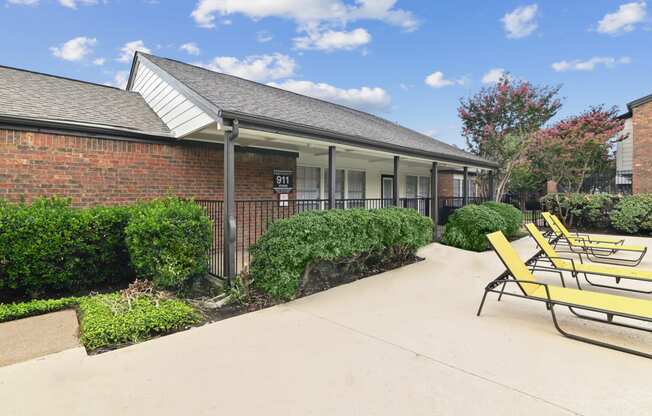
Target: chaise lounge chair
[612, 306]
[599, 252]
[567, 264]
[559, 228]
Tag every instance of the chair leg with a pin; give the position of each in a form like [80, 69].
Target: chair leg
[502, 289]
[484, 297]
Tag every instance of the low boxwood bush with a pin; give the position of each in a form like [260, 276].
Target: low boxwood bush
[109, 321]
[168, 242]
[633, 214]
[512, 216]
[281, 255]
[50, 247]
[467, 227]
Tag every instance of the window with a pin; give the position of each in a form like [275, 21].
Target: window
[411, 184]
[357, 186]
[424, 187]
[339, 186]
[458, 185]
[308, 183]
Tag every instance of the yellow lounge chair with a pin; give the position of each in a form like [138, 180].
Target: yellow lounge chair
[575, 300]
[571, 265]
[594, 251]
[560, 228]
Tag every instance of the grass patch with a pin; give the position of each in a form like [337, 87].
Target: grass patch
[113, 320]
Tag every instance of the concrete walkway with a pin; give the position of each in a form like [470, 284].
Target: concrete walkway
[406, 342]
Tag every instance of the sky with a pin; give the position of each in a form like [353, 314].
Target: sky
[408, 61]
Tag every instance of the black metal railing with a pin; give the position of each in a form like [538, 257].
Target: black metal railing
[254, 216]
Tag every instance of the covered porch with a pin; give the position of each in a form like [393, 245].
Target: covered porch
[328, 173]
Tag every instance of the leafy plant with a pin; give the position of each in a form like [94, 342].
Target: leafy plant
[289, 245]
[633, 214]
[581, 210]
[168, 242]
[467, 227]
[19, 310]
[512, 216]
[110, 321]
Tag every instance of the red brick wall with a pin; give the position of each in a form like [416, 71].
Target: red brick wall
[446, 184]
[103, 171]
[642, 166]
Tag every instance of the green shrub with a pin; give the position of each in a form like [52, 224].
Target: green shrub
[633, 214]
[12, 311]
[168, 242]
[581, 210]
[48, 246]
[110, 321]
[280, 256]
[467, 226]
[512, 216]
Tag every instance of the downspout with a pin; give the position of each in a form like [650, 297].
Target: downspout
[230, 225]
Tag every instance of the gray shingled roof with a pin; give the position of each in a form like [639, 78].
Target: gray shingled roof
[30, 95]
[232, 94]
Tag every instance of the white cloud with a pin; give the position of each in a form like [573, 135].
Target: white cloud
[437, 80]
[190, 48]
[590, 64]
[23, 2]
[120, 79]
[75, 49]
[331, 40]
[521, 22]
[99, 61]
[263, 36]
[72, 4]
[306, 11]
[493, 75]
[364, 98]
[256, 67]
[623, 20]
[129, 48]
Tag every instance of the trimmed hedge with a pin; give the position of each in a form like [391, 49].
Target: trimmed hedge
[48, 247]
[280, 256]
[168, 242]
[467, 227]
[512, 216]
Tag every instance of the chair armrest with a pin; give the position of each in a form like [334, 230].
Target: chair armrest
[498, 282]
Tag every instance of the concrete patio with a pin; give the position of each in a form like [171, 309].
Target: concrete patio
[406, 342]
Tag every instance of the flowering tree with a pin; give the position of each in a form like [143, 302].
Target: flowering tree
[574, 148]
[500, 121]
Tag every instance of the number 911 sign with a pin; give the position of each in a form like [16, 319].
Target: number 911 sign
[283, 181]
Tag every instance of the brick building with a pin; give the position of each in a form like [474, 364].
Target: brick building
[181, 130]
[634, 154]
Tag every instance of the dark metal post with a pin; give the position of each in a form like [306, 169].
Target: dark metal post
[465, 186]
[332, 176]
[395, 181]
[434, 193]
[492, 185]
[434, 196]
[229, 201]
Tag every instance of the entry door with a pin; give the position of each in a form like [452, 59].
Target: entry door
[387, 189]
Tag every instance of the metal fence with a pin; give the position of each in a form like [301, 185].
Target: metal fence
[254, 216]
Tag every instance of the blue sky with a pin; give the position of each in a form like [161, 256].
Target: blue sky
[408, 61]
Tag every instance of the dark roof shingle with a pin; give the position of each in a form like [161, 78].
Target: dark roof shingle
[30, 95]
[233, 94]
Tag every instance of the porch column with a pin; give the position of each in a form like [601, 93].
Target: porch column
[492, 185]
[332, 175]
[465, 187]
[229, 200]
[434, 196]
[395, 182]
